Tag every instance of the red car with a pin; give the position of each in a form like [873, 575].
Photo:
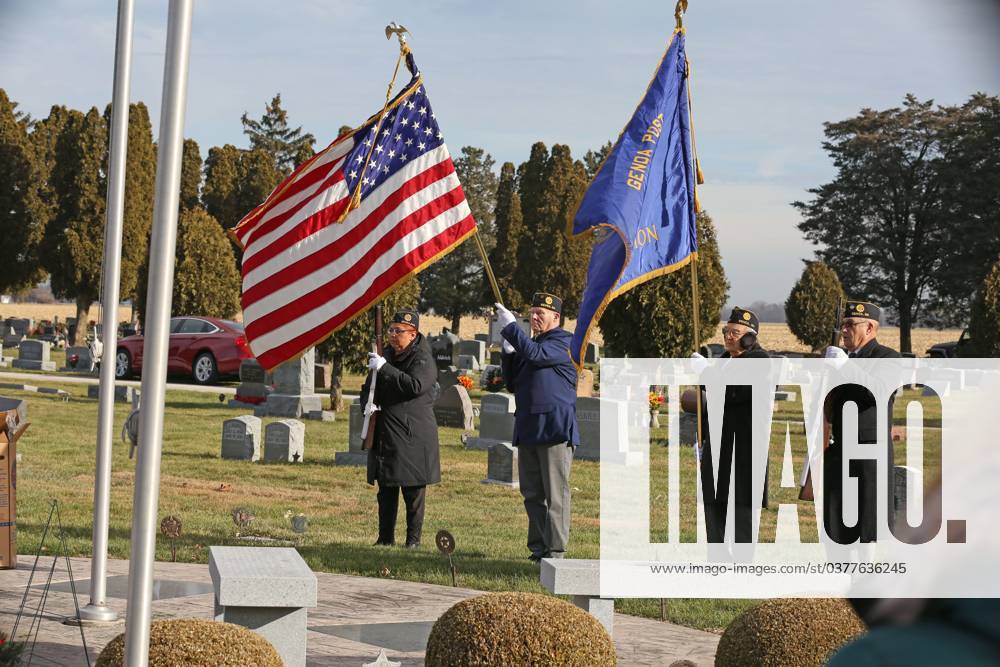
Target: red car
[205, 348]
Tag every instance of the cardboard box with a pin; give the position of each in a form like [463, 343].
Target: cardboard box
[11, 428]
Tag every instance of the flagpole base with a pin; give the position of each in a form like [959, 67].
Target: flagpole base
[98, 614]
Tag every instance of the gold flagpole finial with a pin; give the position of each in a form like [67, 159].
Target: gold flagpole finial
[679, 11]
[400, 32]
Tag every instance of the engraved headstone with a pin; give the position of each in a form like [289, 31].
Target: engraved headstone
[253, 388]
[34, 355]
[593, 354]
[495, 357]
[501, 466]
[467, 362]
[585, 382]
[294, 390]
[454, 408]
[688, 428]
[123, 393]
[355, 454]
[284, 441]
[496, 422]
[241, 438]
[79, 360]
[444, 347]
[474, 348]
[448, 376]
[588, 420]
[902, 477]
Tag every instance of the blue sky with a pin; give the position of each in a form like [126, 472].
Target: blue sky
[504, 75]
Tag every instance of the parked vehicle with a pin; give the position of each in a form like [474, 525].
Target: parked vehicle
[952, 348]
[203, 348]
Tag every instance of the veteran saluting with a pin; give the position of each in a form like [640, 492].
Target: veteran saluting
[541, 375]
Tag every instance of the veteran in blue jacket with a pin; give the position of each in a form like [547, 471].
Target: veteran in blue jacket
[539, 372]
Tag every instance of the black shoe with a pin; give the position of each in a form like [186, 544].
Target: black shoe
[383, 543]
[412, 544]
[537, 558]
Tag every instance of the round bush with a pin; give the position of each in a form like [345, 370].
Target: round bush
[186, 642]
[801, 632]
[506, 629]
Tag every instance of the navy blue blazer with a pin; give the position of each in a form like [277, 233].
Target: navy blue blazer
[542, 378]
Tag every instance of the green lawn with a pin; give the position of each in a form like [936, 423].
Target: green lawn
[488, 521]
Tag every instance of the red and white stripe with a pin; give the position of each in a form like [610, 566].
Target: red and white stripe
[305, 275]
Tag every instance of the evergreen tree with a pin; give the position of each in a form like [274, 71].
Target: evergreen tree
[551, 187]
[509, 230]
[450, 286]
[140, 191]
[23, 213]
[984, 325]
[191, 175]
[812, 306]
[235, 182]
[73, 246]
[347, 349]
[206, 278]
[288, 147]
[593, 160]
[654, 319]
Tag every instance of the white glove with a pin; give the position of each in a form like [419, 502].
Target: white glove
[370, 409]
[507, 347]
[504, 316]
[698, 362]
[375, 361]
[836, 356]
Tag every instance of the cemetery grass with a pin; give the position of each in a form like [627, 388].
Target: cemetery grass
[202, 490]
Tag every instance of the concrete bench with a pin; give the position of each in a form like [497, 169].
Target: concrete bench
[266, 589]
[580, 579]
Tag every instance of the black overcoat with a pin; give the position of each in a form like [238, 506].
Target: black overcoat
[405, 450]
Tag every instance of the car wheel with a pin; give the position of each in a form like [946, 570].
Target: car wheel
[205, 370]
[123, 365]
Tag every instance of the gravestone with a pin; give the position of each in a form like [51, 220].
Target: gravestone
[3, 359]
[688, 428]
[902, 477]
[495, 357]
[11, 339]
[22, 326]
[585, 383]
[593, 354]
[496, 422]
[448, 376]
[79, 360]
[495, 337]
[467, 362]
[355, 454]
[34, 355]
[123, 393]
[483, 337]
[444, 347]
[454, 408]
[241, 438]
[501, 466]
[284, 441]
[253, 388]
[294, 391]
[588, 420]
[782, 395]
[473, 348]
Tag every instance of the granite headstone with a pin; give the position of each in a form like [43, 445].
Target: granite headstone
[241, 438]
[34, 355]
[454, 408]
[284, 441]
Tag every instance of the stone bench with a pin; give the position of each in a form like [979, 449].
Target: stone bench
[580, 579]
[266, 589]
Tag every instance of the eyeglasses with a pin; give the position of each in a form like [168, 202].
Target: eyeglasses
[734, 333]
[847, 324]
[395, 331]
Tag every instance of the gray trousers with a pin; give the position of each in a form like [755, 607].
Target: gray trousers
[544, 475]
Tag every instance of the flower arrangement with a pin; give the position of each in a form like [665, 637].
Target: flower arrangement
[465, 381]
[655, 401]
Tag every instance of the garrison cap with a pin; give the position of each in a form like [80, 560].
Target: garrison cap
[745, 317]
[546, 300]
[863, 309]
[407, 316]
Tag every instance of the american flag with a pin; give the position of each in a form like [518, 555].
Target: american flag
[305, 274]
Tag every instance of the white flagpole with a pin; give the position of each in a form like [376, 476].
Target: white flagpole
[97, 609]
[157, 333]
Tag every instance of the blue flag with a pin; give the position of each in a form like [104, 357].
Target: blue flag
[641, 205]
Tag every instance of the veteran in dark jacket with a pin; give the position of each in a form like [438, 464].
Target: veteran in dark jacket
[859, 329]
[404, 456]
[541, 375]
[739, 337]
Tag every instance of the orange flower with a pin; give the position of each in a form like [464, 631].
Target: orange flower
[465, 381]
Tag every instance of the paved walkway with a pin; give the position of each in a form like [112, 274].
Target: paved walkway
[356, 615]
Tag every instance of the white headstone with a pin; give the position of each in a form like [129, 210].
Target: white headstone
[241, 438]
[284, 441]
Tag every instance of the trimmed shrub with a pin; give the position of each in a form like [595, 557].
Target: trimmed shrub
[801, 632]
[811, 308]
[518, 629]
[187, 642]
[984, 323]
